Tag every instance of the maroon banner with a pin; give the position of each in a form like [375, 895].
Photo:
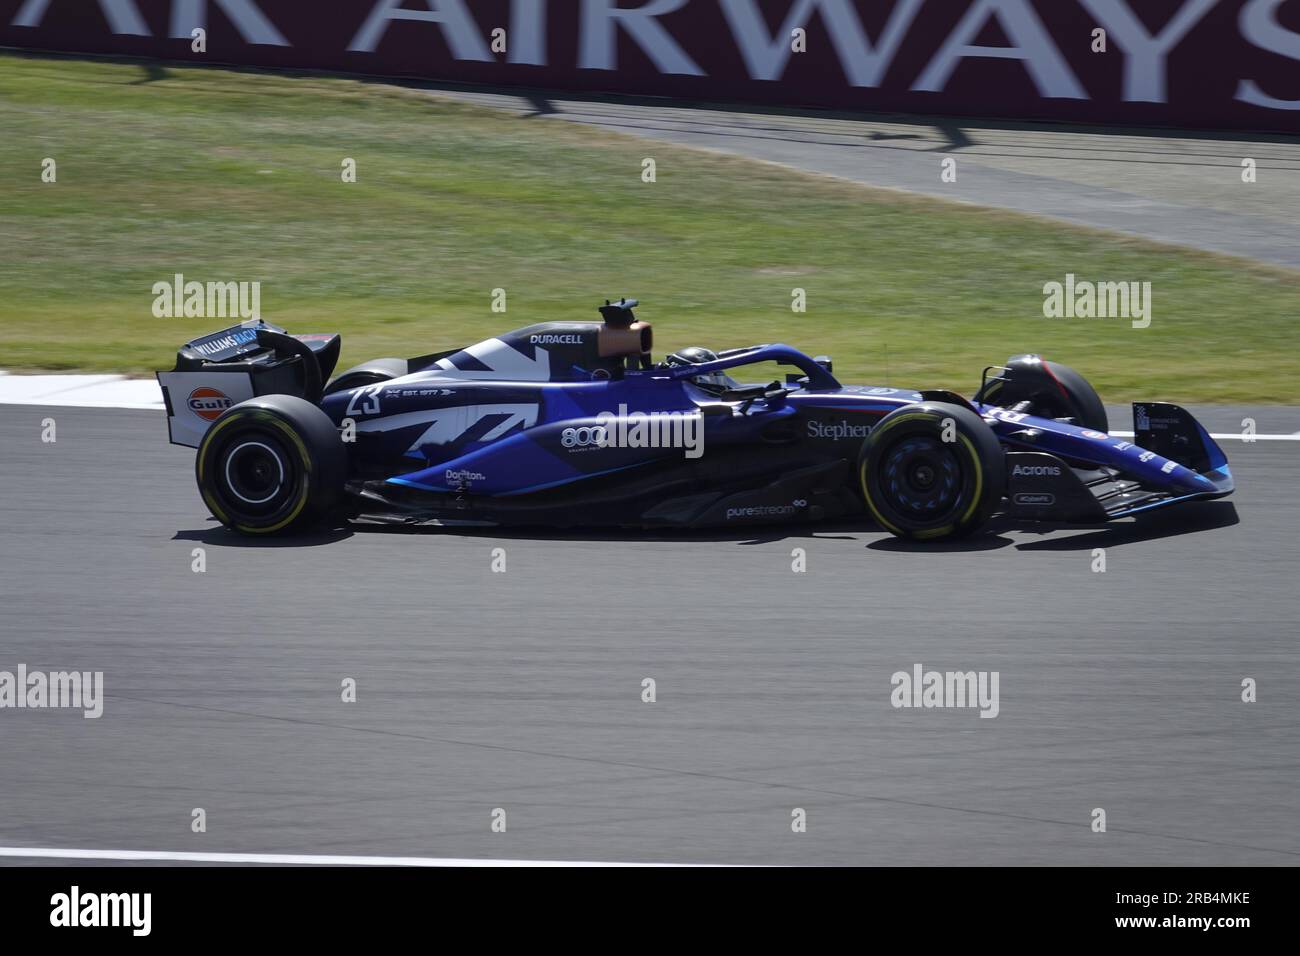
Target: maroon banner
[1230, 64]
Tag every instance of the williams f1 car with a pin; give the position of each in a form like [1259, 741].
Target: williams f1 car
[572, 423]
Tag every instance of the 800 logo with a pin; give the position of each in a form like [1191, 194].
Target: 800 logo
[585, 436]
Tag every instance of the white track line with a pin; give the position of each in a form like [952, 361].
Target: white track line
[1222, 436]
[287, 859]
[85, 391]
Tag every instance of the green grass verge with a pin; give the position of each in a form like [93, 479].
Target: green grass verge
[227, 176]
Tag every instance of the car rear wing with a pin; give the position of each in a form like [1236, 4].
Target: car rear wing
[219, 370]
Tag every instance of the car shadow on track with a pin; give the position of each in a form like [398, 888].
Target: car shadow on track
[989, 539]
[216, 535]
[843, 531]
[1189, 519]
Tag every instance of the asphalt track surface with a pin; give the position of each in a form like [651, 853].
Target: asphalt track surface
[522, 690]
[1166, 185]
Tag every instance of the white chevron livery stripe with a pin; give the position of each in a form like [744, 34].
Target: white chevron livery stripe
[445, 425]
[503, 362]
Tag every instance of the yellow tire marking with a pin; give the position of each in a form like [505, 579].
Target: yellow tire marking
[979, 479]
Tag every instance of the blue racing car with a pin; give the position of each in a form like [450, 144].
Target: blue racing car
[573, 424]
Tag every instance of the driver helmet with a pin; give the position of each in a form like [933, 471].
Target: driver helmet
[695, 355]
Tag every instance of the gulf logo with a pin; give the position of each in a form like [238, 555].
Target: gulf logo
[208, 403]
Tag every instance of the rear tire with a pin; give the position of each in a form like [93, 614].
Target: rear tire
[918, 485]
[369, 373]
[270, 465]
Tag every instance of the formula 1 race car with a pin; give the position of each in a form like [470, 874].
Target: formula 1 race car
[571, 423]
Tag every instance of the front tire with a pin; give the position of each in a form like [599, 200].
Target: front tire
[1053, 391]
[931, 471]
[272, 464]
